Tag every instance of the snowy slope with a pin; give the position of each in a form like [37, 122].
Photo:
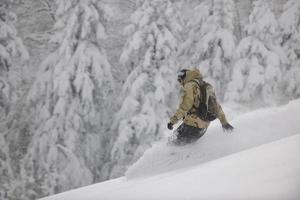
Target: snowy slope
[271, 171]
[251, 129]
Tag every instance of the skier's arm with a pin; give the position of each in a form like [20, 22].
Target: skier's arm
[185, 105]
[221, 116]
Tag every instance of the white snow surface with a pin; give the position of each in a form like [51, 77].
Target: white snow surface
[251, 129]
[206, 170]
[271, 171]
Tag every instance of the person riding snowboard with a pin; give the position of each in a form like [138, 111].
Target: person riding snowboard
[197, 108]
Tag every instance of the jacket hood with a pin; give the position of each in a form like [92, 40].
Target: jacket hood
[192, 75]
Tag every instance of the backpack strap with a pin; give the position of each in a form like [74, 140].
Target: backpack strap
[206, 110]
[204, 90]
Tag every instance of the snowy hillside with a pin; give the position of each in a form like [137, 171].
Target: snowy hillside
[269, 171]
[251, 129]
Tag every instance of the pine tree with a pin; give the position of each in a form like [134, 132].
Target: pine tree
[11, 47]
[290, 25]
[5, 168]
[153, 38]
[256, 76]
[69, 103]
[188, 51]
[211, 42]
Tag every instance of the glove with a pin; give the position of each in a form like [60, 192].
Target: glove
[227, 128]
[170, 126]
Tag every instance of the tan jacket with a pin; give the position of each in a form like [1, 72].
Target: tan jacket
[190, 99]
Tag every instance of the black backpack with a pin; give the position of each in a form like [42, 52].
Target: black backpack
[208, 103]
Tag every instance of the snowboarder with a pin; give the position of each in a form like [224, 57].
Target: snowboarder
[197, 108]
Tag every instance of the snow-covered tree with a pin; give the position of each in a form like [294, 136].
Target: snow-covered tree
[69, 102]
[211, 42]
[257, 73]
[5, 169]
[11, 50]
[153, 37]
[144, 22]
[188, 51]
[290, 24]
[11, 47]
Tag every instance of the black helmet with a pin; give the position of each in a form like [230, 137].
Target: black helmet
[181, 75]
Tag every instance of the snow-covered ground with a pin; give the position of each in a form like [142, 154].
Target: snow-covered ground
[271, 171]
[251, 129]
[206, 170]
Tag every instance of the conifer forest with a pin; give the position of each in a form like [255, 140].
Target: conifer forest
[87, 86]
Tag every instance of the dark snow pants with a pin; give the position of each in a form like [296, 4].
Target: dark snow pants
[188, 134]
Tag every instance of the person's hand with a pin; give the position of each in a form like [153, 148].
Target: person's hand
[170, 126]
[227, 128]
